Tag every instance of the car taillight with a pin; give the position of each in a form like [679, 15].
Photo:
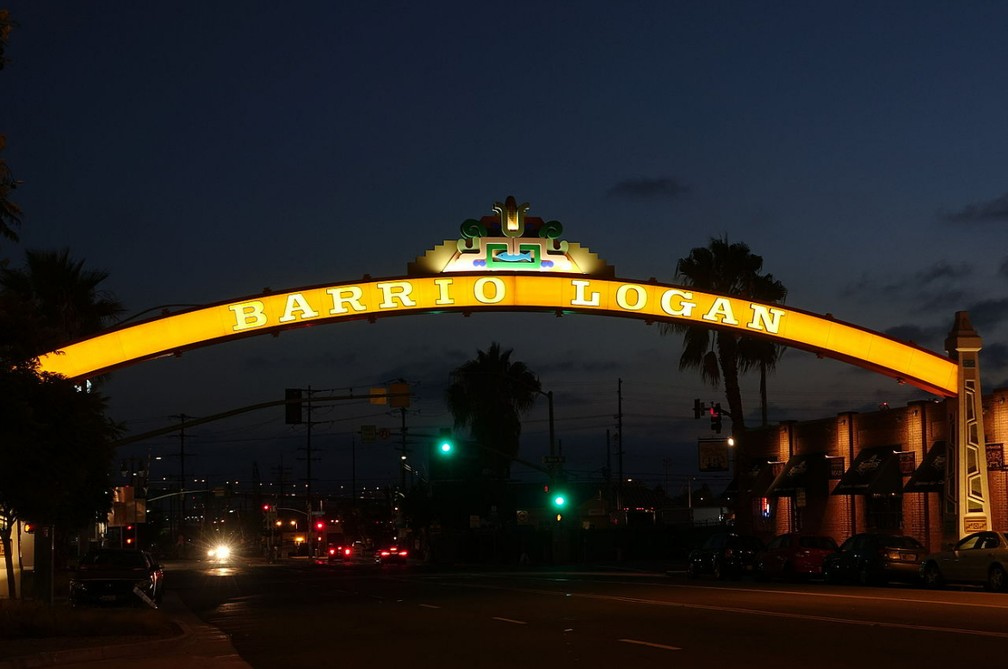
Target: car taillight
[346, 551]
[403, 553]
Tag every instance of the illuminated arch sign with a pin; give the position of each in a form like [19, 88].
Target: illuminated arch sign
[496, 268]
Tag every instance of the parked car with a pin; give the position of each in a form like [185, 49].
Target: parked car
[725, 555]
[980, 558]
[869, 558]
[114, 576]
[795, 555]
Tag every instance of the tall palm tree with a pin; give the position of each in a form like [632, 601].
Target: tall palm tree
[63, 296]
[10, 213]
[489, 394]
[722, 355]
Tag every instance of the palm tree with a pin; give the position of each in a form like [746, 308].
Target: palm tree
[10, 213]
[721, 354]
[62, 295]
[489, 394]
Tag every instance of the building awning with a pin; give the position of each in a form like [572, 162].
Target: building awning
[804, 472]
[755, 479]
[930, 476]
[875, 471]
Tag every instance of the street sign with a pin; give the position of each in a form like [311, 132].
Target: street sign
[368, 433]
[384, 433]
[553, 460]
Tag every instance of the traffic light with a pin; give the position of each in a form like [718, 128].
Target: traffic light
[445, 445]
[319, 525]
[715, 418]
[29, 528]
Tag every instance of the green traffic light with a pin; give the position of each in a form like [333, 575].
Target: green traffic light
[559, 500]
[445, 447]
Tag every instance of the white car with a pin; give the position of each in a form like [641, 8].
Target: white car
[980, 558]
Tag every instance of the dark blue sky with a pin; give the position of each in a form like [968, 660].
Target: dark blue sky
[203, 151]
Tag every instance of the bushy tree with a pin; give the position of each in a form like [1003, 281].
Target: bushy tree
[55, 440]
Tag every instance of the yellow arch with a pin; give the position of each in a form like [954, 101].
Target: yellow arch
[648, 301]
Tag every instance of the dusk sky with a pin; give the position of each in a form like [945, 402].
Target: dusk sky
[202, 151]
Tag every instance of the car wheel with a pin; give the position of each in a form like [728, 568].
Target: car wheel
[865, 577]
[996, 579]
[932, 575]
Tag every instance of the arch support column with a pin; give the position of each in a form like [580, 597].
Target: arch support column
[967, 494]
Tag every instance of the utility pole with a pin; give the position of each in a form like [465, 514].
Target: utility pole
[182, 480]
[402, 455]
[308, 487]
[619, 441]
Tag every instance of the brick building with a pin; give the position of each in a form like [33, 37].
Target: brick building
[882, 471]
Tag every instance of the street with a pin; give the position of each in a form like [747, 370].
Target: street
[299, 614]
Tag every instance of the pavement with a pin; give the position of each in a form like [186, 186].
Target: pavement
[197, 646]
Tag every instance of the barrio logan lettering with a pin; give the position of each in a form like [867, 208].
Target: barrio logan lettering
[478, 292]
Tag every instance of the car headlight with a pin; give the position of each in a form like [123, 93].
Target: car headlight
[220, 552]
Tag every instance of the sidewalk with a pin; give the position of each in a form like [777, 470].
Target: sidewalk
[199, 646]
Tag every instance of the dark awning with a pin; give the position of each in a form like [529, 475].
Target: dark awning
[765, 477]
[875, 471]
[807, 472]
[755, 478]
[930, 476]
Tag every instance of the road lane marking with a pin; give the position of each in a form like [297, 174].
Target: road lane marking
[650, 644]
[429, 606]
[510, 620]
[739, 610]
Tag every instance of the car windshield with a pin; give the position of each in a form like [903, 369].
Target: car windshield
[114, 560]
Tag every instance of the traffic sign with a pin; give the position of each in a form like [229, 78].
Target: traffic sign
[368, 433]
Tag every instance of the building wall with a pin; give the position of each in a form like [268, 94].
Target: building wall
[911, 429]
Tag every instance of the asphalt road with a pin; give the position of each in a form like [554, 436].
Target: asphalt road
[306, 615]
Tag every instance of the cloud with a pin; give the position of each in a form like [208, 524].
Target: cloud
[1003, 269]
[942, 271]
[994, 356]
[916, 334]
[641, 188]
[988, 314]
[991, 210]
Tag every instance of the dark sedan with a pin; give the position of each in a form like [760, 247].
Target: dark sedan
[117, 577]
[725, 555]
[869, 558]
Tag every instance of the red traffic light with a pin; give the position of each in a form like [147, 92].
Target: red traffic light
[319, 525]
